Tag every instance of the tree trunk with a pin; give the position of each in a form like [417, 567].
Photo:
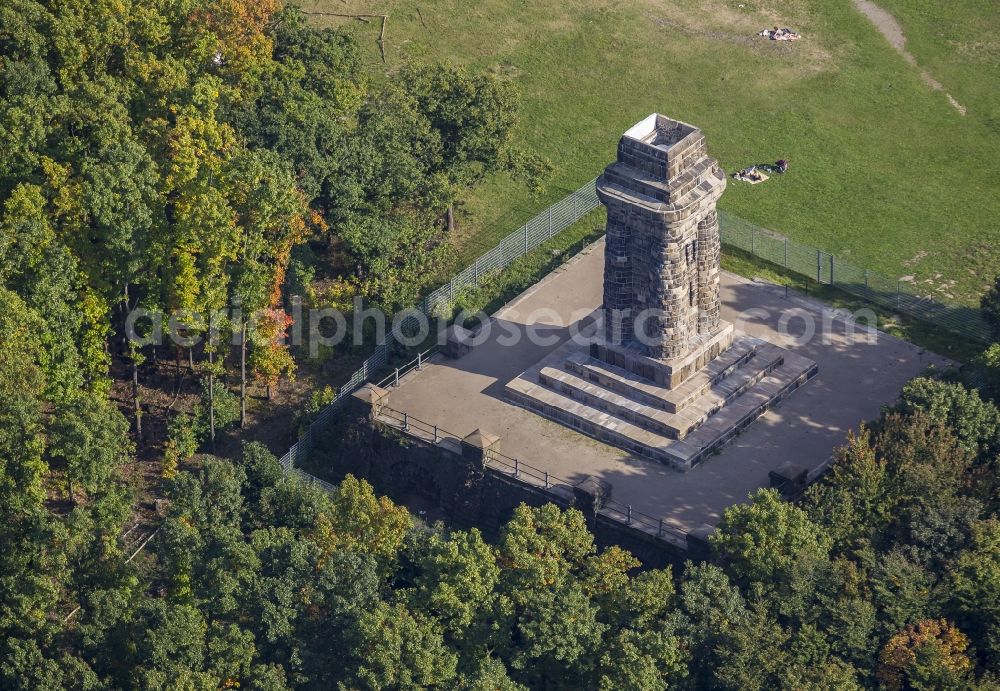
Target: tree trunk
[211, 400]
[267, 391]
[243, 376]
[450, 216]
[177, 369]
[137, 407]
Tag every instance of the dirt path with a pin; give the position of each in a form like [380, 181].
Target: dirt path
[893, 33]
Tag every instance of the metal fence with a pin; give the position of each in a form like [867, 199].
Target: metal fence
[530, 475]
[538, 230]
[823, 267]
[811, 262]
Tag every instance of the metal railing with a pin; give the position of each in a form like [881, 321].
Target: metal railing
[540, 229]
[398, 373]
[735, 232]
[529, 474]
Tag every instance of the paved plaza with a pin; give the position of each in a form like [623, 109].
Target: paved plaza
[856, 377]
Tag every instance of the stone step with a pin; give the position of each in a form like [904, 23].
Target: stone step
[606, 400]
[739, 413]
[671, 425]
[652, 394]
[590, 421]
[683, 454]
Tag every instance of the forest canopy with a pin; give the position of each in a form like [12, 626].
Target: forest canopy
[184, 156]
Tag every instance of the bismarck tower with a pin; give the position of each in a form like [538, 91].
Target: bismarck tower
[661, 270]
[660, 373]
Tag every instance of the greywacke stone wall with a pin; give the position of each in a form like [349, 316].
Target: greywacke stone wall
[454, 478]
[662, 249]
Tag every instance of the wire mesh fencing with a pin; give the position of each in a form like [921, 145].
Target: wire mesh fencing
[736, 232]
[540, 229]
[823, 267]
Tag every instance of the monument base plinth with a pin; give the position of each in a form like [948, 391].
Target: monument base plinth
[681, 424]
[669, 373]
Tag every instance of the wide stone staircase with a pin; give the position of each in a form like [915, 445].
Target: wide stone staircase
[679, 426]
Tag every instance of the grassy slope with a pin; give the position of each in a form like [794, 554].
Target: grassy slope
[883, 171]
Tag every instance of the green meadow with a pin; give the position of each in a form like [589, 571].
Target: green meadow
[884, 170]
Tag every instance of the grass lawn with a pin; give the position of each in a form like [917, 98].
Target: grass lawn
[884, 172]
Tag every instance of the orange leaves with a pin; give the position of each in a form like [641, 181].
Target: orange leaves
[271, 359]
[238, 26]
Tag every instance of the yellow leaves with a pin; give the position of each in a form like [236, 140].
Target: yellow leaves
[65, 196]
[609, 570]
[364, 522]
[184, 284]
[168, 469]
[338, 293]
[94, 310]
[900, 651]
[239, 29]
[25, 229]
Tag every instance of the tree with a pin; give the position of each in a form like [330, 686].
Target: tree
[930, 654]
[358, 519]
[395, 649]
[975, 422]
[730, 645]
[90, 438]
[854, 500]
[975, 591]
[182, 443]
[170, 647]
[314, 87]
[273, 219]
[642, 660]
[261, 469]
[475, 117]
[270, 359]
[454, 578]
[761, 541]
[22, 386]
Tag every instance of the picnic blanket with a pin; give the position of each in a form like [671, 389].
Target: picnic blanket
[751, 175]
[777, 34]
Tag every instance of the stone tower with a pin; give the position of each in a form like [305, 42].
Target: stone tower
[661, 272]
[660, 374]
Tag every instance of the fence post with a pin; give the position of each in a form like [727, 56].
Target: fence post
[786, 253]
[397, 377]
[406, 422]
[819, 265]
[866, 278]
[659, 529]
[550, 223]
[517, 469]
[753, 241]
[525, 238]
[546, 479]
[629, 521]
[420, 360]
[898, 286]
[435, 434]
[831, 269]
[477, 272]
